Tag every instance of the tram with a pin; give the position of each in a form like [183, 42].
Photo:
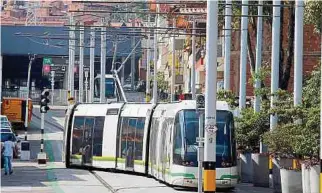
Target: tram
[155, 140]
[110, 88]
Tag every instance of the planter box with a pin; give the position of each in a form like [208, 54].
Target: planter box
[277, 165]
[291, 181]
[260, 170]
[246, 168]
[310, 179]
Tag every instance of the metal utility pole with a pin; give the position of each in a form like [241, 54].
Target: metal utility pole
[86, 86]
[81, 64]
[148, 70]
[243, 56]
[193, 67]
[122, 72]
[200, 105]
[258, 53]
[275, 57]
[298, 52]
[71, 56]
[103, 64]
[52, 73]
[31, 60]
[259, 61]
[0, 82]
[91, 64]
[211, 97]
[228, 13]
[321, 114]
[173, 67]
[133, 61]
[155, 53]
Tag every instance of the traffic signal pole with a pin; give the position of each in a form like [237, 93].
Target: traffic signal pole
[209, 163]
[42, 157]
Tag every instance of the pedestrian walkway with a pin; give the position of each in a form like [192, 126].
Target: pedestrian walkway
[51, 178]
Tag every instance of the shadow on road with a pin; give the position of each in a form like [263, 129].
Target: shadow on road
[31, 176]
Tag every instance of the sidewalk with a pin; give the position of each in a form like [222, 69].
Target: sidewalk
[30, 177]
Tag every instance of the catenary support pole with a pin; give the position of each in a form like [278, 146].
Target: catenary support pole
[91, 64]
[211, 97]
[275, 58]
[155, 53]
[243, 56]
[148, 70]
[81, 64]
[228, 13]
[298, 52]
[122, 72]
[258, 63]
[193, 67]
[133, 62]
[103, 64]
[72, 58]
[0, 82]
[173, 67]
[321, 114]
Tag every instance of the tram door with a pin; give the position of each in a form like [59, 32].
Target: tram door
[130, 146]
[87, 146]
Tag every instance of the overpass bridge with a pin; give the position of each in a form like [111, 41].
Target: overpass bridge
[52, 42]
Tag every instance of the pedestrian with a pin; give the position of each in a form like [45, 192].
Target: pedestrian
[9, 149]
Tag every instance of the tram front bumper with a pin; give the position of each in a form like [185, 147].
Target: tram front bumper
[193, 183]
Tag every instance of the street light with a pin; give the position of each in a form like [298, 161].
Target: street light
[31, 59]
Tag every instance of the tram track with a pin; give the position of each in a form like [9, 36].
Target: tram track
[102, 181]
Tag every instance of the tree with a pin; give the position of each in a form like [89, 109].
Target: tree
[312, 14]
[163, 85]
[298, 139]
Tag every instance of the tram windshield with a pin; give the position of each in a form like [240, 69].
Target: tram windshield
[109, 88]
[187, 130]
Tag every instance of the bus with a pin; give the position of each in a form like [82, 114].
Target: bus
[110, 88]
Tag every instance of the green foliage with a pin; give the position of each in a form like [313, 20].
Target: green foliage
[312, 13]
[228, 96]
[251, 127]
[297, 133]
[162, 84]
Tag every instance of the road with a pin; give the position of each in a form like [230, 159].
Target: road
[54, 177]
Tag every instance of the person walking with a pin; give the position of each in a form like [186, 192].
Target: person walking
[9, 148]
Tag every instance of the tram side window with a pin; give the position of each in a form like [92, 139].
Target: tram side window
[97, 87]
[124, 135]
[178, 145]
[78, 129]
[98, 136]
[139, 138]
[154, 131]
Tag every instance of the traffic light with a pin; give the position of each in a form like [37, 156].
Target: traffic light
[44, 101]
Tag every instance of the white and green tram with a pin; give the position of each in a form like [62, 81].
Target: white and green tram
[155, 140]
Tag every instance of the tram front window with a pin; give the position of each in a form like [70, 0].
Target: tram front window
[109, 88]
[187, 130]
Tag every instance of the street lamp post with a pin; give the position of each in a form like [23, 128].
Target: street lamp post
[31, 59]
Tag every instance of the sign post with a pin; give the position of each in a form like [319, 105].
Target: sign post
[52, 86]
[200, 104]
